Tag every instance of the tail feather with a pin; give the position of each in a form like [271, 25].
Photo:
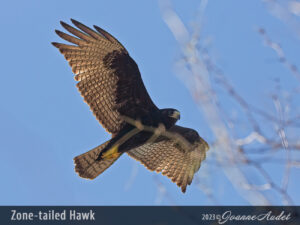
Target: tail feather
[87, 165]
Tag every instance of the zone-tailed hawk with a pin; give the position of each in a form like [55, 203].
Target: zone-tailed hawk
[110, 83]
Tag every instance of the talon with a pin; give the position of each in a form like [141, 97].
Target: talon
[111, 153]
[113, 156]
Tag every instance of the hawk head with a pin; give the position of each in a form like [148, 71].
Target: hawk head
[170, 116]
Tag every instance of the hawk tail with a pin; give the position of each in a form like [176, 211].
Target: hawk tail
[87, 165]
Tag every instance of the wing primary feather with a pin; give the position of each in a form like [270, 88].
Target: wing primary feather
[86, 29]
[76, 32]
[61, 46]
[108, 36]
[70, 38]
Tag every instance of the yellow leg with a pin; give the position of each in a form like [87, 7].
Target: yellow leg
[111, 153]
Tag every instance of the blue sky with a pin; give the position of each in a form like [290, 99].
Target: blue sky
[45, 123]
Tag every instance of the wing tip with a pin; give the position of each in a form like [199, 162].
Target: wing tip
[63, 24]
[55, 44]
[96, 27]
[75, 22]
[58, 32]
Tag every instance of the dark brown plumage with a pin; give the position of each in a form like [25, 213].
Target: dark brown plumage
[109, 79]
[110, 83]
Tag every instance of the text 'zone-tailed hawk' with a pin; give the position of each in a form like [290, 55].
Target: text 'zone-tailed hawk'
[110, 83]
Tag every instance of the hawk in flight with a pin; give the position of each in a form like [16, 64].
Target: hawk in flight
[110, 83]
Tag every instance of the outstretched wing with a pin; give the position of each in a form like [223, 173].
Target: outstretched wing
[109, 79]
[171, 158]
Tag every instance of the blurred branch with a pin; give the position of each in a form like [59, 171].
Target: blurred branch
[280, 53]
[287, 11]
[159, 131]
[233, 153]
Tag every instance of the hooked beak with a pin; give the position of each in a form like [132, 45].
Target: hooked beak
[176, 115]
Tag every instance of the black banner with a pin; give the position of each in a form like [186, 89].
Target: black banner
[149, 215]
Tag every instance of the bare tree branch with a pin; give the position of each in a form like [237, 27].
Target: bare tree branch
[269, 141]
